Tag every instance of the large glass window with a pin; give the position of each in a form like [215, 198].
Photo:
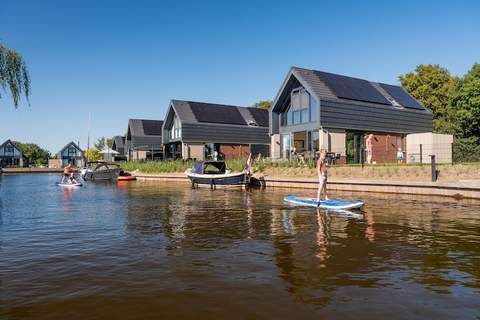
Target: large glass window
[304, 115]
[296, 117]
[176, 130]
[313, 109]
[8, 148]
[285, 146]
[314, 143]
[303, 108]
[71, 152]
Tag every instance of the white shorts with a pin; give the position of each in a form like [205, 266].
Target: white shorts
[322, 179]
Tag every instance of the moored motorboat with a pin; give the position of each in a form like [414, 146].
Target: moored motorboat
[125, 176]
[215, 173]
[100, 170]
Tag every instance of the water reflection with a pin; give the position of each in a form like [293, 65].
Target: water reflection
[173, 246]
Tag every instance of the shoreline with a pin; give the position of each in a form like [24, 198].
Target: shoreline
[462, 189]
[30, 170]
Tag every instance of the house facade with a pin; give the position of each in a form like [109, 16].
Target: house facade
[71, 153]
[197, 130]
[144, 140]
[10, 155]
[118, 145]
[315, 110]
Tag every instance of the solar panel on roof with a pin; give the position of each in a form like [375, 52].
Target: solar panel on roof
[352, 88]
[260, 116]
[215, 113]
[152, 127]
[401, 96]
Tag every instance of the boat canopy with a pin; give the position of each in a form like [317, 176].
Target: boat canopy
[209, 167]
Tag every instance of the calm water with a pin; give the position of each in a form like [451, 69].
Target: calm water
[158, 250]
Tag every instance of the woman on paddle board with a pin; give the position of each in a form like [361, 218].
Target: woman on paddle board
[322, 175]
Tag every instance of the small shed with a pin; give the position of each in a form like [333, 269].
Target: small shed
[421, 145]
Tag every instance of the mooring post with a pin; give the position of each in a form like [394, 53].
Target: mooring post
[421, 154]
[453, 154]
[434, 168]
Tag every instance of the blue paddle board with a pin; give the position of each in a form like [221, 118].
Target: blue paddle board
[70, 185]
[327, 204]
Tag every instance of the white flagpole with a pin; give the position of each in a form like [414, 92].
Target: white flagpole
[88, 138]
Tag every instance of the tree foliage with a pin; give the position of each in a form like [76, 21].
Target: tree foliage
[14, 74]
[263, 104]
[103, 142]
[33, 154]
[465, 104]
[93, 155]
[455, 103]
[431, 85]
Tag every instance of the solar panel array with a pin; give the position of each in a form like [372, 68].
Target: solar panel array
[352, 88]
[401, 96]
[152, 127]
[216, 113]
[260, 116]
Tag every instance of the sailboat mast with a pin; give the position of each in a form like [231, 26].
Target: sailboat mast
[88, 138]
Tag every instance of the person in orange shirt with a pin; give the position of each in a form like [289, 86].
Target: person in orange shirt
[68, 173]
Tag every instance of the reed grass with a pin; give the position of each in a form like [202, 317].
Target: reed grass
[259, 166]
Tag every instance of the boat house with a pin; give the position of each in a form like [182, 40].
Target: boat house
[118, 145]
[144, 140]
[197, 130]
[315, 109]
[71, 153]
[10, 155]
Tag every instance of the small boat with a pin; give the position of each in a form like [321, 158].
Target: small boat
[125, 176]
[326, 204]
[215, 173]
[100, 170]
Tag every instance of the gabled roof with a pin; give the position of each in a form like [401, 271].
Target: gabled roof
[69, 144]
[144, 133]
[213, 113]
[145, 128]
[12, 143]
[330, 86]
[118, 143]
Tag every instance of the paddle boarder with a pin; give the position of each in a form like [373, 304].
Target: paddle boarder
[67, 172]
[322, 175]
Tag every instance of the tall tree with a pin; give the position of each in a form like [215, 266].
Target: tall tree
[263, 104]
[431, 85]
[14, 74]
[33, 154]
[465, 104]
[103, 142]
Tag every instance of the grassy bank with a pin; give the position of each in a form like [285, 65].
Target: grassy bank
[410, 172]
[172, 166]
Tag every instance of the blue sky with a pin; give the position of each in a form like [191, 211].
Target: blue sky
[127, 59]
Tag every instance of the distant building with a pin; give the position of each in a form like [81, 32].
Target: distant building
[71, 153]
[10, 155]
[315, 109]
[119, 146]
[144, 140]
[197, 130]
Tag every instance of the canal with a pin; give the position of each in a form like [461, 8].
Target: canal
[162, 250]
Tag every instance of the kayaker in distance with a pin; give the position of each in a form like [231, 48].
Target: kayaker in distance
[322, 175]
